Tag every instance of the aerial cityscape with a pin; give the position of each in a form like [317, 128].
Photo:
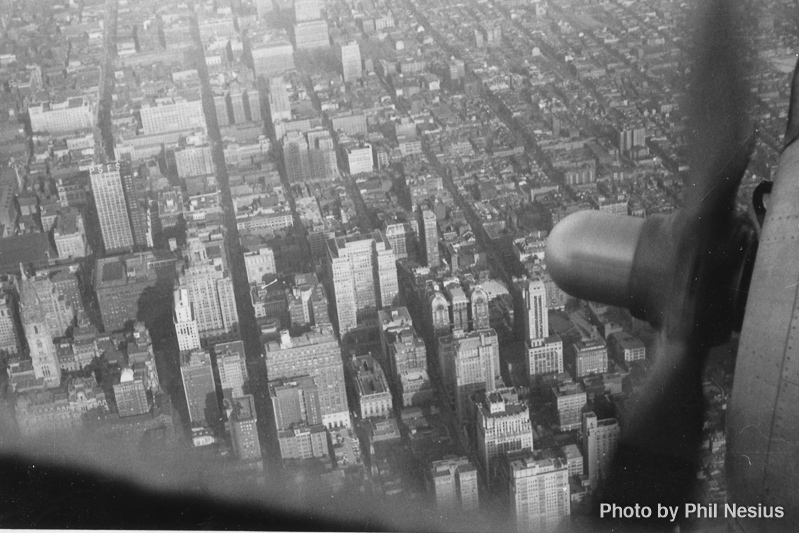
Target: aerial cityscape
[302, 243]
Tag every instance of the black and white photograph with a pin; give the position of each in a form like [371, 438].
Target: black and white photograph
[525, 266]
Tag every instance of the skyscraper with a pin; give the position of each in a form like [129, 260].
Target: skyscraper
[112, 210]
[198, 384]
[295, 157]
[322, 162]
[318, 355]
[478, 306]
[350, 56]
[439, 310]
[544, 351]
[137, 213]
[364, 276]
[590, 356]
[538, 489]
[38, 334]
[600, 441]
[428, 231]
[535, 299]
[185, 323]
[9, 342]
[232, 366]
[469, 363]
[210, 290]
[503, 425]
[243, 428]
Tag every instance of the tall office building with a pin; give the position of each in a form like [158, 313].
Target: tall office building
[538, 490]
[59, 311]
[546, 357]
[536, 326]
[243, 428]
[137, 212]
[458, 305]
[38, 334]
[358, 157]
[236, 105]
[252, 104]
[210, 290]
[185, 323]
[469, 363]
[295, 401]
[350, 56]
[364, 276]
[130, 395]
[570, 399]
[112, 210]
[439, 311]
[600, 441]
[400, 235]
[544, 351]
[503, 425]
[9, 341]
[454, 483]
[198, 384]
[316, 354]
[428, 231]
[232, 366]
[295, 157]
[478, 305]
[322, 162]
[589, 356]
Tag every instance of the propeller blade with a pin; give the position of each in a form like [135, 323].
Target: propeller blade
[720, 133]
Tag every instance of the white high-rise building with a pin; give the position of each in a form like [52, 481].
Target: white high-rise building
[210, 290]
[537, 324]
[469, 363]
[364, 276]
[428, 231]
[503, 425]
[311, 35]
[359, 158]
[185, 324]
[112, 211]
[350, 56]
[538, 489]
[600, 441]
